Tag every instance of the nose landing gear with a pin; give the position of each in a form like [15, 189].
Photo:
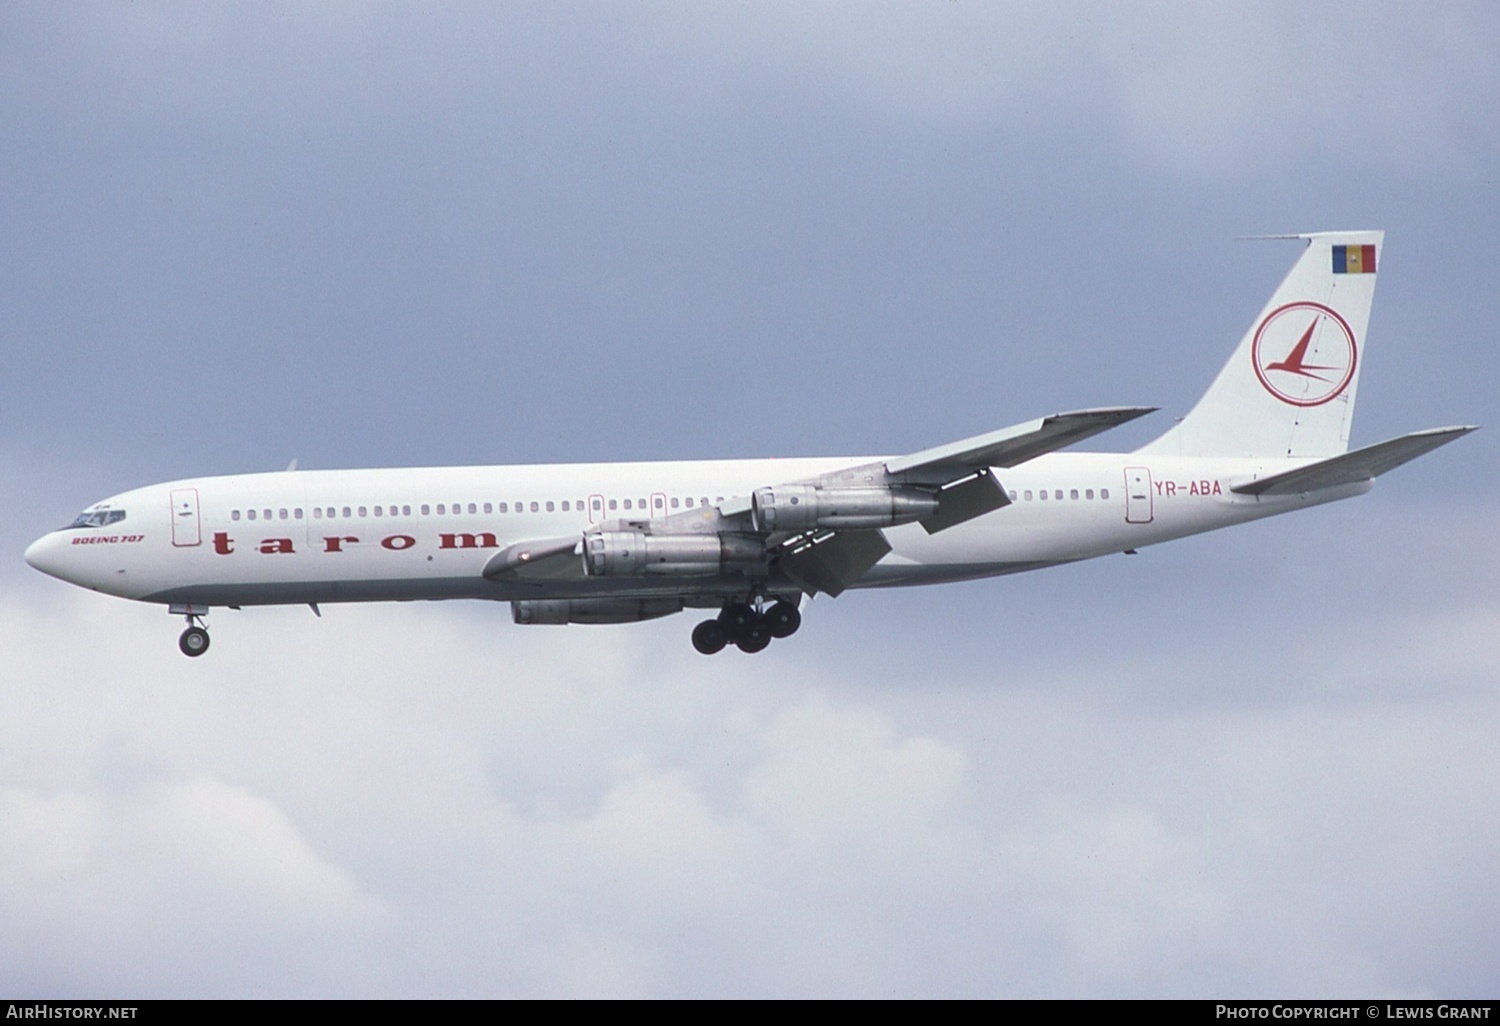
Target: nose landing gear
[747, 628]
[193, 642]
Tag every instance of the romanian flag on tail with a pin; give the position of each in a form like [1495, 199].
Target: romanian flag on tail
[1353, 259]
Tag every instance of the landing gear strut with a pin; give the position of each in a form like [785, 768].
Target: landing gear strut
[747, 628]
[193, 641]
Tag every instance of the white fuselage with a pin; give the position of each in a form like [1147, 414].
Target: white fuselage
[375, 535]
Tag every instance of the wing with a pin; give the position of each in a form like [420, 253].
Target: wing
[1010, 446]
[821, 534]
[956, 478]
[537, 559]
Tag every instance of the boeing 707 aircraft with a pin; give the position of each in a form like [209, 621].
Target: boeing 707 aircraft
[621, 542]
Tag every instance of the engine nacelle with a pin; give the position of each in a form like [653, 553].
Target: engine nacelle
[806, 507]
[593, 610]
[636, 553]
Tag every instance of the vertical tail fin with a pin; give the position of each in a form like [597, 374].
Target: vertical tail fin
[1288, 390]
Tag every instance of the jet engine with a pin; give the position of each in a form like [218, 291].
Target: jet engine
[636, 553]
[607, 610]
[808, 507]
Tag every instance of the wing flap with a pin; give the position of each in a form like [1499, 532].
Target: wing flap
[966, 500]
[1353, 467]
[1010, 446]
[836, 562]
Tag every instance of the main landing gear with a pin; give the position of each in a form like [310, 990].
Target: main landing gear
[193, 641]
[747, 628]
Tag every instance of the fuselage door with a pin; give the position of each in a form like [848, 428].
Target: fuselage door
[185, 530]
[596, 509]
[1137, 495]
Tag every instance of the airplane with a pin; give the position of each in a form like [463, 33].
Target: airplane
[623, 542]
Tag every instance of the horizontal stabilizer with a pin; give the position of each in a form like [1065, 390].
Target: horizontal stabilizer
[1010, 446]
[1353, 467]
[835, 563]
[536, 559]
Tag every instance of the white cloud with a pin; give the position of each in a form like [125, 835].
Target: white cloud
[421, 800]
[124, 890]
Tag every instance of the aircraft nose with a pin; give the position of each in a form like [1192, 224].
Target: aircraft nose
[44, 555]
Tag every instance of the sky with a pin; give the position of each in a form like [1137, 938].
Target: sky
[1254, 763]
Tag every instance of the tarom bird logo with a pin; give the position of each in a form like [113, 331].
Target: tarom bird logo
[1293, 363]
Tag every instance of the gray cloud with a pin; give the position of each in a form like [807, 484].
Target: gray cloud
[418, 800]
[1189, 87]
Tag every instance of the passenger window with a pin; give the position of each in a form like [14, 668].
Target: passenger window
[234, 514]
[426, 510]
[473, 508]
[266, 514]
[1088, 493]
[283, 514]
[347, 513]
[1012, 495]
[1104, 493]
[565, 505]
[297, 513]
[550, 507]
[1057, 495]
[487, 507]
[1073, 494]
[317, 512]
[504, 507]
[362, 512]
[377, 511]
[614, 504]
[1042, 495]
[533, 507]
[441, 509]
[674, 503]
[1028, 495]
[406, 511]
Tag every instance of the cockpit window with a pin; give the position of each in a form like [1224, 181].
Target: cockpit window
[98, 518]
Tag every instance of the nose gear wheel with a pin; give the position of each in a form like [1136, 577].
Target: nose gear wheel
[193, 642]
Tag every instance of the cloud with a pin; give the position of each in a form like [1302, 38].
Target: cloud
[421, 800]
[103, 885]
[1190, 88]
